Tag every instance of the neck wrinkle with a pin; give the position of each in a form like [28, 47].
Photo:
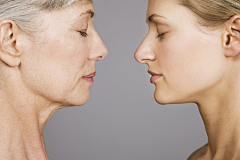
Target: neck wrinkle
[20, 138]
[22, 119]
[23, 115]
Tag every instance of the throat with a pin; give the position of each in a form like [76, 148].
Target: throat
[20, 139]
[222, 125]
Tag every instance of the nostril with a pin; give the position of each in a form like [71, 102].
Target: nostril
[137, 59]
[144, 56]
[139, 56]
[99, 58]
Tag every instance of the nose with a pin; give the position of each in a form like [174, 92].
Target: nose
[99, 50]
[144, 52]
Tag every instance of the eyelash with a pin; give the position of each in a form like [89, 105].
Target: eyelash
[160, 36]
[84, 34]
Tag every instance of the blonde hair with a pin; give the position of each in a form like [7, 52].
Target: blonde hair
[213, 13]
[25, 12]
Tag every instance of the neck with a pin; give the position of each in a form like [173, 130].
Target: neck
[221, 116]
[223, 130]
[22, 119]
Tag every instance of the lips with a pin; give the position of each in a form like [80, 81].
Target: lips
[155, 76]
[89, 77]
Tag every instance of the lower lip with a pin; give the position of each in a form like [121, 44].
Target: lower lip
[89, 79]
[155, 77]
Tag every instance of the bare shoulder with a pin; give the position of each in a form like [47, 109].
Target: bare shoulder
[198, 152]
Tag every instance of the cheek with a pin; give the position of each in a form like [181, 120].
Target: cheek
[190, 62]
[64, 61]
[54, 68]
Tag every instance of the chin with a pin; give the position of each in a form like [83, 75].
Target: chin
[167, 98]
[77, 100]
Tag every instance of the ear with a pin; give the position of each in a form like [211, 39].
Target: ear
[231, 37]
[9, 52]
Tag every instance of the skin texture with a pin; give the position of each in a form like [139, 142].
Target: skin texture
[174, 58]
[192, 63]
[44, 73]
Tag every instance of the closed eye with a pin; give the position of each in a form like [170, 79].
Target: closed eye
[84, 34]
[160, 35]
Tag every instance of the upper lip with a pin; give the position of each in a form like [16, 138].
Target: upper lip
[90, 75]
[154, 73]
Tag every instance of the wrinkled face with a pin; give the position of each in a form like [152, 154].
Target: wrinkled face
[59, 64]
[185, 59]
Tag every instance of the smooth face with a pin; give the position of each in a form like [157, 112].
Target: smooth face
[59, 64]
[185, 59]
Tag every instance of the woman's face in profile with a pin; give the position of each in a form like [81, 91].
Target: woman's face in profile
[185, 59]
[59, 63]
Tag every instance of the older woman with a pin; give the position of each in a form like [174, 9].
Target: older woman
[48, 51]
[193, 53]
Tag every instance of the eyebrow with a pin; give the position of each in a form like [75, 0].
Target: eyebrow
[88, 12]
[150, 18]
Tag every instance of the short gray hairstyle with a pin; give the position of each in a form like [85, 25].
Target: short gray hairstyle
[25, 12]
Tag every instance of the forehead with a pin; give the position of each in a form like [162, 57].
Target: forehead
[70, 13]
[162, 6]
[53, 22]
[76, 12]
[78, 9]
[171, 10]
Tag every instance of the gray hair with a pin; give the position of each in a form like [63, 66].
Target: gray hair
[25, 12]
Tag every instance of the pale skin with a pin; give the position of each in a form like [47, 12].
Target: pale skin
[43, 73]
[192, 63]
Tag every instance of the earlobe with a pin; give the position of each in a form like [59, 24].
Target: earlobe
[9, 53]
[231, 37]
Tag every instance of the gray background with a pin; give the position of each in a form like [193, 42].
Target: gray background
[121, 120]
